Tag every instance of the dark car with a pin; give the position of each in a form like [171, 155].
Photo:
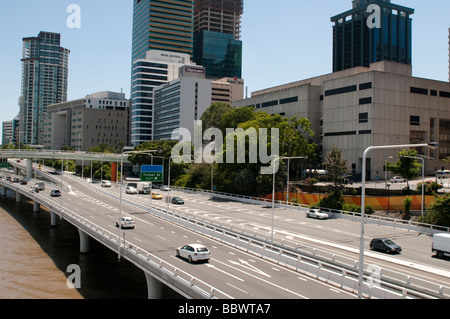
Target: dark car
[55, 193]
[386, 245]
[177, 200]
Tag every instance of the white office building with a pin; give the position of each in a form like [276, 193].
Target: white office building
[181, 102]
[158, 68]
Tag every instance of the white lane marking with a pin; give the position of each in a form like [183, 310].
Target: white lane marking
[265, 281]
[245, 292]
[224, 272]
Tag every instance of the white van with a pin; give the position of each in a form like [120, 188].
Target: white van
[441, 244]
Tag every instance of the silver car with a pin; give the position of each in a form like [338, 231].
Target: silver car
[316, 213]
[126, 222]
[194, 252]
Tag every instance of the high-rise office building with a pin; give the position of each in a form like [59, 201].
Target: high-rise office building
[217, 33]
[162, 25]
[44, 82]
[157, 68]
[360, 42]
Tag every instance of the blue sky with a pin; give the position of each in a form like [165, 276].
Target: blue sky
[284, 41]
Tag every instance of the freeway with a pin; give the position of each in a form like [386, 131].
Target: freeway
[233, 272]
[338, 236]
[241, 275]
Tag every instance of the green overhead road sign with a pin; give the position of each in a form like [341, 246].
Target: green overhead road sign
[5, 165]
[152, 173]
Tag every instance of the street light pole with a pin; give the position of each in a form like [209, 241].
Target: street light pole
[363, 203]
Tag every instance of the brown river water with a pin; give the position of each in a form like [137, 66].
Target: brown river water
[34, 258]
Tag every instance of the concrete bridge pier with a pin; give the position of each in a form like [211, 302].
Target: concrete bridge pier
[36, 207]
[154, 287]
[3, 191]
[84, 242]
[53, 219]
[18, 197]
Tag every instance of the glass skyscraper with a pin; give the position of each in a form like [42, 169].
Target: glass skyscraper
[357, 44]
[44, 82]
[162, 25]
[217, 33]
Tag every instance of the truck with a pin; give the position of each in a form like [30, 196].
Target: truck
[143, 187]
[441, 244]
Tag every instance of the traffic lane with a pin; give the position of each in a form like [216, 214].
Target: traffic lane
[240, 274]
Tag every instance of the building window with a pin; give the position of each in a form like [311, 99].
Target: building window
[414, 120]
[419, 91]
[289, 100]
[366, 100]
[363, 117]
[342, 90]
[444, 94]
[365, 86]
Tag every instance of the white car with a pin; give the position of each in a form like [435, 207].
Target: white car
[126, 222]
[194, 252]
[131, 190]
[398, 179]
[165, 188]
[316, 213]
[106, 184]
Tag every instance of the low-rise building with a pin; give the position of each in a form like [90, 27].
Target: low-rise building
[102, 117]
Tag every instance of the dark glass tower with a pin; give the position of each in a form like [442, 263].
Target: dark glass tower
[217, 33]
[357, 44]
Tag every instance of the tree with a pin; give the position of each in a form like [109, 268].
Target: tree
[336, 165]
[294, 140]
[406, 166]
[212, 117]
[439, 211]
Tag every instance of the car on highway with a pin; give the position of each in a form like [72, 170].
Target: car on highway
[194, 252]
[55, 193]
[156, 196]
[106, 184]
[165, 188]
[316, 213]
[385, 244]
[177, 201]
[398, 179]
[126, 222]
[131, 190]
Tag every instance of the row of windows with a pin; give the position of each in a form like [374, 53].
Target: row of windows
[431, 92]
[276, 102]
[348, 133]
[348, 89]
